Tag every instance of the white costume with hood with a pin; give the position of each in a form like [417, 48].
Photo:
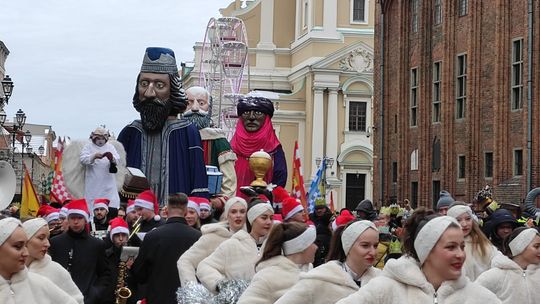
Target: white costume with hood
[474, 264]
[212, 236]
[403, 282]
[511, 283]
[30, 288]
[325, 284]
[273, 278]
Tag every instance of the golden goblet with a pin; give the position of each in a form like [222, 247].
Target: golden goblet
[259, 163]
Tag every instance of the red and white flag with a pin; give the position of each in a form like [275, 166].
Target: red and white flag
[298, 188]
[58, 188]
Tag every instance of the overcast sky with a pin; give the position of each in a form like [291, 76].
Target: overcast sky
[74, 63]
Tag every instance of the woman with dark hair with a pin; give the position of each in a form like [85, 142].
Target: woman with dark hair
[478, 249]
[353, 250]
[430, 271]
[235, 258]
[515, 278]
[289, 250]
[17, 284]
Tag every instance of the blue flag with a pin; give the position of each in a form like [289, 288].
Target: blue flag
[315, 189]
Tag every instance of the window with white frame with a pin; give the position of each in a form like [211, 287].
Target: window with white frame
[414, 16]
[414, 97]
[461, 86]
[517, 74]
[437, 12]
[359, 11]
[436, 114]
[463, 6]
[357, 116]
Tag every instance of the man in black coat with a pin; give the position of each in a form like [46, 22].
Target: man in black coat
[161, 248]
[82, 255]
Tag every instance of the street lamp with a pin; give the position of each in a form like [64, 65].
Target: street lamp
[328, 163]
[7, 87]
[41, 150]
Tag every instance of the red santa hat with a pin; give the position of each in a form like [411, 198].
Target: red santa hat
[290, 207]
[118, 225]
[130, 206]
[204, 203]
[280, 194]
[263, 198]
[48, 213]
[343, 218]
[101, 203]
[147, 200]
[277, 219]
[78, 206]
[193, 203]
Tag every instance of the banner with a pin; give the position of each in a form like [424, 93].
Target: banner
[315, 187]
[29, 201]
[298, 188]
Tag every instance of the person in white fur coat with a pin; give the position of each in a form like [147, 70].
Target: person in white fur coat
[17, 284]
[516, 279]
[478, 249]
[289, 250]
[38, 261]
[212, 236]
[429, 272]
[353, 251]
[235, 258]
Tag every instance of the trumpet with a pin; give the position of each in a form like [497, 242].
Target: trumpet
[136, 227]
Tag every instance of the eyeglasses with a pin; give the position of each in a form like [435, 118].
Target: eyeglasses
[256, 114]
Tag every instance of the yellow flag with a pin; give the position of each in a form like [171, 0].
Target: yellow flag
[29, 201]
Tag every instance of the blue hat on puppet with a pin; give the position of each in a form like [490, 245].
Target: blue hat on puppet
[159, 60]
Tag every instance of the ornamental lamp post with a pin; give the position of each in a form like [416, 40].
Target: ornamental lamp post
[7, 88]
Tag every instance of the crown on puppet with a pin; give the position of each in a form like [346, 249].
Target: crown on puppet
[159, 60]
[48, 213]
[343, 218]
[204, 203]
[118, 225]
[101, 203]
[280, 194]
[79, 207]
[290, 207]
[148, 200]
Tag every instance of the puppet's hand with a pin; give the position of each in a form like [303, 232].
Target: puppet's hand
[98, 156]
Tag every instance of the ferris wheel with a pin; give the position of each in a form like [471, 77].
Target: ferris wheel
[223, 62]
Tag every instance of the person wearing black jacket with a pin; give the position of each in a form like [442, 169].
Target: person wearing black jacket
[82, 255]
[161, 248]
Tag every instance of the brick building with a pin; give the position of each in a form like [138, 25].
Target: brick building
[452, 99]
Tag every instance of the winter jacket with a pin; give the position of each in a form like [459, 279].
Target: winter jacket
[27, 287]
[403, 282]
[235, 258]
[157, 257]
[475, 264]
[325, 284]
[84, 258]
[212, 236]
[273, 278]
[510, 282]
[58, 275]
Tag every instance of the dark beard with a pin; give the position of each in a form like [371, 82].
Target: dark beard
[154, 112]
[200, 120]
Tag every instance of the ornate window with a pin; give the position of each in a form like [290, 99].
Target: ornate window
[357, 116]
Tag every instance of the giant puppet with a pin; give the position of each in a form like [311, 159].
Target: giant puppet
[217, 149]
[168, 150]
[255, 132]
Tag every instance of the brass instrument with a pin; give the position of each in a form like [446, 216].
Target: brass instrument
[122, 292]
[136, 227]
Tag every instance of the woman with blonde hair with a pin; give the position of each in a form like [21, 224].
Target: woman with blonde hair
[515, 278]
[38, 261]
[17, 284]
[479, 250]
[289, 251]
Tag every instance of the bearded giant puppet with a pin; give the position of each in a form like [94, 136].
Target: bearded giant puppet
[168, 150]
[255, 132]
[217, 149]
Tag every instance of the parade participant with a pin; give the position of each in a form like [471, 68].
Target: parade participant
[321, 218]
[235, 258]
[131, 213]
[121, 213]
[119, 236]
[100, 159]
[212, 236]
[478, 249]
[444, 202]
[292, 210]
[344, 218]
[205, 214]
[160, 250]
[365, 210]
[147, 209]
[52, 216]
[254, 132]
[17, 284]
[500, 226]
[101, 211]
[352, 255]
[82, 255]
[289, 251]
[431, 270]
[217, 149]
[168, 150]
[38, 261]
[193, 213]
[515, 279]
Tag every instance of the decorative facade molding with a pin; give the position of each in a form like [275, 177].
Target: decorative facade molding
[359, 60]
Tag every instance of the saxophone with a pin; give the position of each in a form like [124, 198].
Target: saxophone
[122, 292]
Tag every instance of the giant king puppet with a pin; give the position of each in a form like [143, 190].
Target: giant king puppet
[167, 149]
[255, 132]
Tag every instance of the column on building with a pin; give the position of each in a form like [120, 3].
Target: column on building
[332, 126]
[317, 145]
[265, 48]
